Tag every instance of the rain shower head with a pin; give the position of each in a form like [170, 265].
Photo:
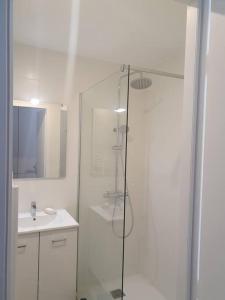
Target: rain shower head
[141, 82]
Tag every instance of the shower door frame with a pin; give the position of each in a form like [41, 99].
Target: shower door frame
[193, 135]
[125, 182]
[197, 38]
[193, 131]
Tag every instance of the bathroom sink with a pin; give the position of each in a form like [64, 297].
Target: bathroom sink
[42, 219]
[45, 222]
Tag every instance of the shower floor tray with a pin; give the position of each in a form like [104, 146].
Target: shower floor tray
[137, 287]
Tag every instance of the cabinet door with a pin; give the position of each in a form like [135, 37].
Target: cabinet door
[57, 272]
[27, 267]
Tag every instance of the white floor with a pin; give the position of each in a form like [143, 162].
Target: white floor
[136, 287]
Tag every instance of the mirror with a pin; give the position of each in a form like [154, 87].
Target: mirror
[39, 140]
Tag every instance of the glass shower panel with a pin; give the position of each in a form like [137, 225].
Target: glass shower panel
[102, 184]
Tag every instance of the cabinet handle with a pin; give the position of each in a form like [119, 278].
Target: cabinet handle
[58, 243]
[21, 246]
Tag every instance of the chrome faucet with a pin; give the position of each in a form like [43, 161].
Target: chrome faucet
[33, 210]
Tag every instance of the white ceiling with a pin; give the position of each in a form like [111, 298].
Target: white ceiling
[140, 32]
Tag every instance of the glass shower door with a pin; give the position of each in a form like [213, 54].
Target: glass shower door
[102, 188]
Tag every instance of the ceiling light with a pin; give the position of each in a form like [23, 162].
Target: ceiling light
[34, 101]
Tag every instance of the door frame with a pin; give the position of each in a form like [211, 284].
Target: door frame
[5, 140]
[199, 139]
[198, 34]
[192, 154]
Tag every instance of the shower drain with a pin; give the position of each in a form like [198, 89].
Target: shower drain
[117, 293]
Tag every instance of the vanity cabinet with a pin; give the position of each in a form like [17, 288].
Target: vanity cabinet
[46, 265]
[57, 277]
[27, 267]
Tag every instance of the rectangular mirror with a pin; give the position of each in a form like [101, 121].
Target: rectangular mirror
[39, 140]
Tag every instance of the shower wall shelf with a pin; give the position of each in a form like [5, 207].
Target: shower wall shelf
[106, 213]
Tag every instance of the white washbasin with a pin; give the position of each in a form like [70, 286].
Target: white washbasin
[42, 219]
[44, 222]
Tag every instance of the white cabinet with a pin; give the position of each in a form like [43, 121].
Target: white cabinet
[57, 278]
[46, 265]
[27, 266]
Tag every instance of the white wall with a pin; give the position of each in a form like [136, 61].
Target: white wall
[163, 203]
[154, 145]
[55, 77]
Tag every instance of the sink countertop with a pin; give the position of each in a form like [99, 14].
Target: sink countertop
[44, 222]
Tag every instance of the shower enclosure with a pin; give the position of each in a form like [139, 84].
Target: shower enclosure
[132, 224]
